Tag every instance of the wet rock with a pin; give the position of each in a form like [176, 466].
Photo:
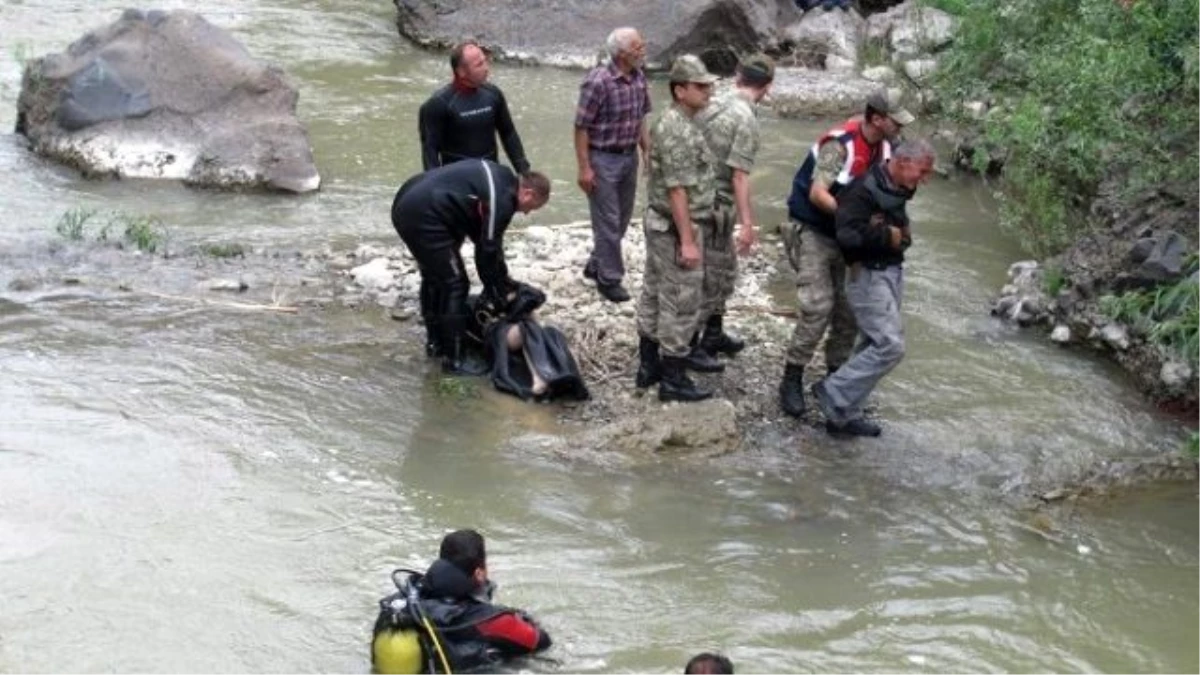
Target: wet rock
[1116, 336]
[1175, 374]
[1164, 261]
[708, 428]
[375, 275]
[1061, 334]
[22, 284]
[167, 95]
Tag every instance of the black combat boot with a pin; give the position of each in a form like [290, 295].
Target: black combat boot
[717, 341]
[854, 427]
[676, 385]
[791, 390]
[649, 370]
[700, 360]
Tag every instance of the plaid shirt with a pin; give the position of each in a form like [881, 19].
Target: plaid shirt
[611, 107]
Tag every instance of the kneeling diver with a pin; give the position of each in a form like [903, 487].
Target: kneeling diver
[434, 212]
[444, 621]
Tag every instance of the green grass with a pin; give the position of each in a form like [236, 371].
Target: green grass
[1169, 316]
[230, 250]
[456, 388]
[1193, 446]
[145, 233]
[72, 225]
[1053, 280]
[955, 7]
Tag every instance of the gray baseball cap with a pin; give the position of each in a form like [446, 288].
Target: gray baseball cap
[882, 102]
[689, 68]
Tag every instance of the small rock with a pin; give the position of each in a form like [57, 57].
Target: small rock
[883, 74]
[1175, 374]
[1116, 336]
[374, 275]
[235, 285]
[1061, 334]
[401, 313]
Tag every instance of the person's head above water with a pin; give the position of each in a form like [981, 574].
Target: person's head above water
[465, 550]
[708, 662]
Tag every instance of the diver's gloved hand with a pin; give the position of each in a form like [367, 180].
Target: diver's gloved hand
[495, 298]
[528, 298]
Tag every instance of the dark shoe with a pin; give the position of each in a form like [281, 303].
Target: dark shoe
[701, 361]
[791, 390]
[717, 341]
[649, 370]
[855, 427]
[459, 361]
[589, 271]
[613, 292]
[676, 385]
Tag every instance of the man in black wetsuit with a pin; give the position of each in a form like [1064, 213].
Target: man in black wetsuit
[434, 212]
[461, 120]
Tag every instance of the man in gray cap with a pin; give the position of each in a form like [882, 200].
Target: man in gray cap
[810, 236]
[681, 190]
[730, 124]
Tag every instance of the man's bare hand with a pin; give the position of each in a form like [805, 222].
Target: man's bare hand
[587, 180]
[689, 256]
[747, 237]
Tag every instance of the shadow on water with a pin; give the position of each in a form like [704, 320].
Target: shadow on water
[211, 490]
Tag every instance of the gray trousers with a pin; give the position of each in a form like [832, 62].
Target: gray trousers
[611, 206]
[874, 297]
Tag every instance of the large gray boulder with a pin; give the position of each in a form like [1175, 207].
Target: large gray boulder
[167, 95]
[572, 32]
[825, 39]
[819, 93]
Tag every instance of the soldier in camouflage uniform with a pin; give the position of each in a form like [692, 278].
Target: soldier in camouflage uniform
[838, 157]
[680, 190]
[730, 124]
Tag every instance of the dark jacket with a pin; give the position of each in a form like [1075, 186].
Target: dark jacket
[473, 200]
[459, 123]
[866, 210]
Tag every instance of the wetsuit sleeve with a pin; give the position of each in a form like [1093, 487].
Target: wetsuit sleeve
[861, 230]
[514, 634]
[431, 122]
[509, 136]
[495, 214]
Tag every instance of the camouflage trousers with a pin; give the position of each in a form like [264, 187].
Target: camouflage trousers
[669, 308]
[720, 259]
[821, 295]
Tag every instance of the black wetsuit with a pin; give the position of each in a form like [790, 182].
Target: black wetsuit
[459, 123]
[434, 212]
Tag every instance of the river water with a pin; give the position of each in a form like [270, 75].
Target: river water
[189, 489]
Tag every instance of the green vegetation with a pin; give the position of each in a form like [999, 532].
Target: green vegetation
[72, 224]
[456, 388]
[1168, 316]
[955, 7]
[145, 233]
[231, 250]
[1083, 93]
[1053, 280]
[1193, 446]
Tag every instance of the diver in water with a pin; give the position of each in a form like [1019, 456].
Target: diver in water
[444, 621]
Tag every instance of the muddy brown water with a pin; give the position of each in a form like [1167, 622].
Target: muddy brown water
[189, 489]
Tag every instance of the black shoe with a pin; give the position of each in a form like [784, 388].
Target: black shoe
[589, 271]
[676, 385]
[649, 370]
[613, 292]
[459, 360]
[855, 427]
[717, 341]
[791, 390]
[701, 361]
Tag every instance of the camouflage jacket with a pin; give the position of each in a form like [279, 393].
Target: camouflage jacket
[679, 157]
[730, 124]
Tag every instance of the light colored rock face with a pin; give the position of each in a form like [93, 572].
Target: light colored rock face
[821, 39]
[920, 70]
[921, 30]
[880, 74]
[167, 95]
[802, 91]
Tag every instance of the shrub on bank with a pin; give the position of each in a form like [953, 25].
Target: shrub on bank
[1083, 93]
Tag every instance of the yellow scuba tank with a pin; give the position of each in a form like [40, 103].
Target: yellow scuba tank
[397, 652]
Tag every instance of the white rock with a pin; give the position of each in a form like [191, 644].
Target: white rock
[884, 74]
[1115, 335]
[976, 110]
[1175, 374]
[1061, 334]
[919, 70]
[374, 275]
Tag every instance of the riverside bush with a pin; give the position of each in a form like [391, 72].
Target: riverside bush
[1084, 93]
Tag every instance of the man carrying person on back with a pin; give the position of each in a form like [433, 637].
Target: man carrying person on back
[838, 157]
[609, 127]
[873, 231]
[461, 120]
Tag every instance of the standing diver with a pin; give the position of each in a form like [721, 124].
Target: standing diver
[434, 212]
[444, 621]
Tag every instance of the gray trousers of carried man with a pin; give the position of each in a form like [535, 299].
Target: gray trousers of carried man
[874, 297]
[669, 308]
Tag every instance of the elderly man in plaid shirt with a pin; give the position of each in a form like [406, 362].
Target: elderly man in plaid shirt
[613, 102]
